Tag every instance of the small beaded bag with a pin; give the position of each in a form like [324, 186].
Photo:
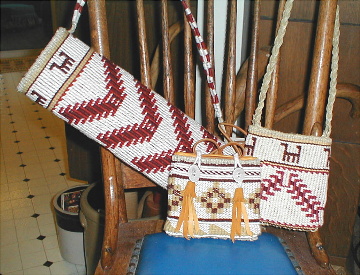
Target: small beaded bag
[214, 196]
[295, 167]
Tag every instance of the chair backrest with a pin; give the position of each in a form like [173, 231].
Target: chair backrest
[116, 176]
[241, 90]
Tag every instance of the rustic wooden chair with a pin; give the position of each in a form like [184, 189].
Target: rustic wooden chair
[120, 233]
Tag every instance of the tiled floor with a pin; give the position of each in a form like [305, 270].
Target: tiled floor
[33, 169]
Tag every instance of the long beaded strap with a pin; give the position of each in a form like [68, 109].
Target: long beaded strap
[206, 61]
[274, 57]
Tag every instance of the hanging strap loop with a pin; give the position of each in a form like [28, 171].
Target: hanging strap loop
[206, 61]
[273, 60]
[76, 15]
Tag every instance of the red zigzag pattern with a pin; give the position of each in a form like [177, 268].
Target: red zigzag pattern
[101, 107]
[136, 133]
[304, 198]
[302, 195]
[162, 161]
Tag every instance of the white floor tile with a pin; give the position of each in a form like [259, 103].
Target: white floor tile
[63, 268]
[21, 213]
[27, 234]
[7, 225]
[7, 251]
[57, 179]
[30, 246]
[45, 219]
[26, 222]
[33, 170]
[53, 255]
[42, 200]
[30, 158]
[47, 230]
[51, 242]
[37, 183]
[4, 187]
[18, 186]
[58, 187]
[39, 190]
[3, 178]
[45, 208]
[19, 272]
[12, 160]
[21, 251]
[33, 259]
[16, 178]
[6, 215]
[51, 169]
[21, 203]
[38, 270]
[8, 237]
[10, 258]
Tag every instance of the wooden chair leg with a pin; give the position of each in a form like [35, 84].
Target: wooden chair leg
[315, 109]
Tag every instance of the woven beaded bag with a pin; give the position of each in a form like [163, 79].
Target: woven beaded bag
[214, 196]
[108, 105]
[295, 167]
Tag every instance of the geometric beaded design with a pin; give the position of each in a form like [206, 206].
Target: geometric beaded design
[214, 195]
[107, 104]
[295, 171]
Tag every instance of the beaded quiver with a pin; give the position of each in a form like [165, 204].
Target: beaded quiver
[107, 104]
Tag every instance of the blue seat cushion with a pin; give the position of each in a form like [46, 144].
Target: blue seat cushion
[163, 254]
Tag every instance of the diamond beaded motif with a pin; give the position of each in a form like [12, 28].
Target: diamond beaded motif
[214, 200]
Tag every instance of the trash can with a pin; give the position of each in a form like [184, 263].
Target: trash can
[69, 230]
[92, 218]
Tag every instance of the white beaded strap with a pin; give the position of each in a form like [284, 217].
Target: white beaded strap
[206, 61]
[76, 16]
[274, 57]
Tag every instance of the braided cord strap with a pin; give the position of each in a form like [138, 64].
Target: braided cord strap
[274, 57]
[205, 59]
[272, 61]
[333, 76]
[76, 15]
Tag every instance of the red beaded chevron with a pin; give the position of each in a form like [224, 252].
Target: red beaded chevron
[107, 104]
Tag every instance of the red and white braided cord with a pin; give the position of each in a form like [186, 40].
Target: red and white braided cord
[76, 15]
[205, 59]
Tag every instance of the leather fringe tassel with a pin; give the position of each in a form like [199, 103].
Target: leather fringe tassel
[188, 217]
[238, 211]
